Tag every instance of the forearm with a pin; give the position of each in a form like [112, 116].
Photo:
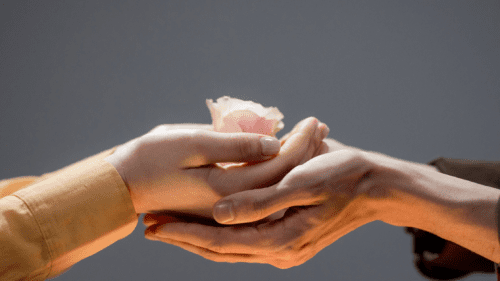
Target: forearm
[50, 225]
[457, 210]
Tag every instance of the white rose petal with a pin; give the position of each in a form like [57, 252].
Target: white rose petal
[234, 115]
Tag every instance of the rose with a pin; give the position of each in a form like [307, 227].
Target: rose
[232, 115]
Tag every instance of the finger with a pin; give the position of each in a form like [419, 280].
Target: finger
[210, 255]
[302, 134]
[322, 149]
[293, 131]
[300, 146]
[325, 130]
[293, 152]
[313, 142]
[254, 205]
[230, 258]
[307, 184]
[167, 127]
[322, 126]
[320, 134]
[239, 239]
[152, 219]
[218, 147]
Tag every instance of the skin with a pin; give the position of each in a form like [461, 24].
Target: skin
[173, 168]
[330, 196]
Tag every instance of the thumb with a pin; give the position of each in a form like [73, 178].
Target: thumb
[235, 147]
[256, 204]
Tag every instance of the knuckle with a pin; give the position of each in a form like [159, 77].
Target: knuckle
[354, 159]
[249, 209]
[357, 157]
[216, 247]
[298, 179]
[349, 153]
[246, 147]
[370, 188]
[164, 127]
[257, 208]
[196, 135]
[195, 138]
[158, 128]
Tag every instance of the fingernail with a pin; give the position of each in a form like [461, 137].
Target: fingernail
[223, 212]
[269, 146]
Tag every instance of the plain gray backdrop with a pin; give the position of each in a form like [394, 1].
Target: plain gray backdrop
[412, 79]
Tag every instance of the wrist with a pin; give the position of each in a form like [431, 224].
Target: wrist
[403, 193]
[454, 209]
[121, 159]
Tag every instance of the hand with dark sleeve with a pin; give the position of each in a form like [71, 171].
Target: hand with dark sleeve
[331, 195]
[441, 259]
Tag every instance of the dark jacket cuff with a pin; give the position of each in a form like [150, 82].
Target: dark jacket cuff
[481, 172]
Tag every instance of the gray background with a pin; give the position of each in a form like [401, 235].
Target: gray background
[412, 79]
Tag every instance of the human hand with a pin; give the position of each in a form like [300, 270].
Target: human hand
[327, 197]
[172, 168]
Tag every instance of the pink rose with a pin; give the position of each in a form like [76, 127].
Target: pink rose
[232, 115]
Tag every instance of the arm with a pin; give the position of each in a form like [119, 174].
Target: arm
[66, 216]
[159, 166]
[438, 258]
[9, 186]
[328, 197]
[62, 218]
[454, 209]
[466, 211]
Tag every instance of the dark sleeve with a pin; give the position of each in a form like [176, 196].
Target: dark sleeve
[482, 172]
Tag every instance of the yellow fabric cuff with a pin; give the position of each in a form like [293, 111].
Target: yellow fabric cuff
[80, 210]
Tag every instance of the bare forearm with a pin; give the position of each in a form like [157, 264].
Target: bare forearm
[418, 195]
[457, 210]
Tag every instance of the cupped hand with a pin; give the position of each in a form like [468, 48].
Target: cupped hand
[327, 197]
[331, 195]
[173, 167]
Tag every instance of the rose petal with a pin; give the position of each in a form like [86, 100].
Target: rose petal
[235, 115]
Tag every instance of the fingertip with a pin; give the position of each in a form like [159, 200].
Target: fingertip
[237, 148]
[318, 133]
[250, 205]
[325, 130]
[223, 212]
[309, 125]
[269, 146]
[312, 120]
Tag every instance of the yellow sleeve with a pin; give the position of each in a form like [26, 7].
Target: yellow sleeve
[51, 222]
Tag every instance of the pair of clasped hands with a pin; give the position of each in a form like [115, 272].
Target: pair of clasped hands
[280, 203]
